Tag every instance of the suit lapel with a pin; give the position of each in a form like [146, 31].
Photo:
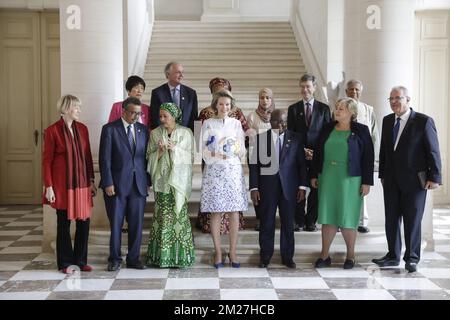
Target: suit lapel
[185, 108]
[407, 129]
[120, 128]
[286, 143]
[301, 112]
[167, 93]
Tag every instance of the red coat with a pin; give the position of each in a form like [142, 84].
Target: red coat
[54, 163]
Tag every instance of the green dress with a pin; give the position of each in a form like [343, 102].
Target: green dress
[170, 239]
[339, 194]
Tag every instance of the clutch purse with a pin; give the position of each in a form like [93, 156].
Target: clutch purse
[422, 176]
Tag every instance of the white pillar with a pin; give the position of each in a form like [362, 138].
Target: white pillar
[386, 46]
[91, 42]
[386, 59]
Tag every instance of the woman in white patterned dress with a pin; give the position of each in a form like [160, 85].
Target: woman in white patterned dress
[223, 183]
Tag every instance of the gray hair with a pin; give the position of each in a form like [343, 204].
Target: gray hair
[168, 66]
[353, 82]
[308, 77]
[403, 89]
[351, 106]
[66, 102]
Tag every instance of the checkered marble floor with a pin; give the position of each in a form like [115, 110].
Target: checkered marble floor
[26, 273]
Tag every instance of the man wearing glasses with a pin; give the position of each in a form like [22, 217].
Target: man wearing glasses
[410, 164]
[124, 180]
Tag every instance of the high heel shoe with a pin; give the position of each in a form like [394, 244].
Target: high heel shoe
[219, 265]
[234, 264]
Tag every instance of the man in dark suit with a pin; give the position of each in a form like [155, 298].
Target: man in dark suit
[277, 179]
[307, 117]
[174, 91]
[124, 180]
[410, 164]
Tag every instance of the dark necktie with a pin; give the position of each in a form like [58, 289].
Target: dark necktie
[395, 130]
[308, 114]
[130, 138]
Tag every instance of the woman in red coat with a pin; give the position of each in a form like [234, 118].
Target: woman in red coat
[69, 182]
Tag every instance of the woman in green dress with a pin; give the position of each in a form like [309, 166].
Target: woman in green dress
[170, 156]
[342, 170]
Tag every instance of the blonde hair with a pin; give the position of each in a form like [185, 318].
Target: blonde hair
[222, 94]
[65, 103]
[351, 106]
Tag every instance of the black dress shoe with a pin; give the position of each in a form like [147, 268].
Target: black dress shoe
[263, 264]
[363, 229]
[311, 228]
[349, 264]
[386, 261]
[290, 264]
[138, 265]
[411, 266]
[298, 228]
[320, 263]
[113, 266]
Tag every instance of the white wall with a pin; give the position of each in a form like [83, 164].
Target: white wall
[432, 4]
[138, 25]
[30, 4]
[180, 9]
[268, 9]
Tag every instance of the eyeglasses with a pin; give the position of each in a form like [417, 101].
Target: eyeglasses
[397, 99]
[135, 113]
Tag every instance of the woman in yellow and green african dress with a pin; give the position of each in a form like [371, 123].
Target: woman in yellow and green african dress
[170, 157]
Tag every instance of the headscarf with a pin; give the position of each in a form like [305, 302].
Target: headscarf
[263, 113]
[173, 109]
[222, 81]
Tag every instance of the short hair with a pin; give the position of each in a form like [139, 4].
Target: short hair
[308, 77]
[353, 82]
[222, 94]
[403, 89]
[66, 102]
[133, 81]
[168, 66]
[351, 106]
[130, 100]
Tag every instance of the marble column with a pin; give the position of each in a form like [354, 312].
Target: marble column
[92, 69]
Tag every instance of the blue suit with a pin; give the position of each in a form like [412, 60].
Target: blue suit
[126, 171]
[278, 187]
[188, 105]
[417, 151]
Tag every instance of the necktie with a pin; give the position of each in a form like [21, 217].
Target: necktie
[130, 138]
[279, 146]
[176, 96]
[308, 114]
[395, 130]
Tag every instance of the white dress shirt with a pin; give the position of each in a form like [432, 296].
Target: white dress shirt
[403, 119]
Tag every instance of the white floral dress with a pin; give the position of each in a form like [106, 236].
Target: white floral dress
[223, 183]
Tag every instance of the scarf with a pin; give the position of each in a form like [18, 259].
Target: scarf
[79, 197]
[174, 111]
[260, 111]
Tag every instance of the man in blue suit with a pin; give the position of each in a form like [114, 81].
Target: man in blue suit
[124, 180]
[277, 179]
[410, 164]
[174, 91]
